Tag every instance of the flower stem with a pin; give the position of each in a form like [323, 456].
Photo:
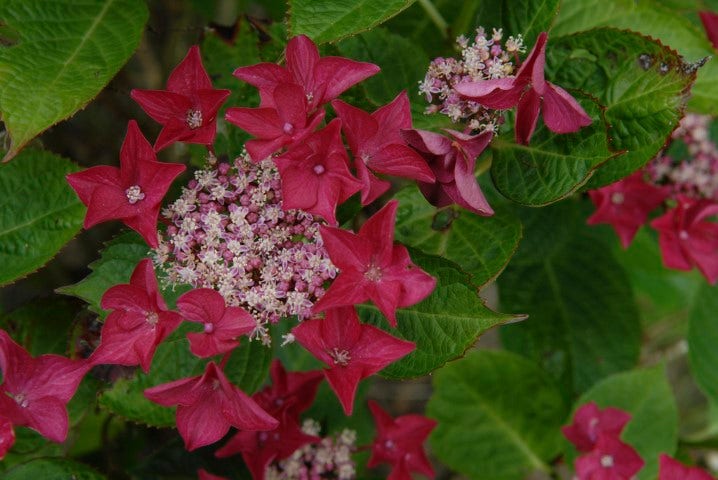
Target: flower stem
[435, 17]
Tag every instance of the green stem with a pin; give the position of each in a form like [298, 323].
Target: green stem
[435, 17]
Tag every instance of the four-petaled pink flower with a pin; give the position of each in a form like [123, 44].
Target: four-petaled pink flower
[687, 238]
[35, 391]
[138, 323]
[290, 391]
[452, 159]
[282, 119]
[132, 193]
[589, 422]
[222, 324]
[529, 90]
[399, 441]
[611, 459]
[625, 205]
[351, 350]
[372, 267]
[375, 140]
[671, 469]
[710, 24]
[7, 436]
[208, 405]
[321, 79]
[315, 174]
[260, 449]
[188, 108]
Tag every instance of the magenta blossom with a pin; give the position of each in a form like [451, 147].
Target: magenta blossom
[376, 143]
[671, 469]
[281, 120]
[138, 323]
[203, 474]
[291, 391]
[625, 205]
[132, 193]
[188, 108]
[321, 79]
[315, 174]
[399, 441]
[260, 449]
[529, 90]
[222, 324]
[589, 422]
[34, 391]
[372, 267]
[611, 459]
[710, 24]
[208, 405]
[351, 350]
[453, 160]
[687, 238]
[7, 436]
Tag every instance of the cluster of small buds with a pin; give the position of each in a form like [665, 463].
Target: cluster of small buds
[228, 231]
[329, 458]
[696, 176]
[486, 58]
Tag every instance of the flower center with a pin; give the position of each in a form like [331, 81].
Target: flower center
[683, 235]
[208, 327]
[318, 169]
[194, 119]
[288, 128]
[340, 357]
[373, 273]
[134, 194]
[365, 157]
[607, 461]
[22, 400]
[617, 198]
[152, 318]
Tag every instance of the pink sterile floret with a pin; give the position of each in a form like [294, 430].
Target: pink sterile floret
[321, 78]
[228, 231]
[589, 422]
[35, 391]
[530, 91]
[7, 436]
[188, 108]
[291, 391]
[687, 238]
[399, 442]
[453, 160]
[282, 120]
[315, 174]
[373, 268]
[710, 24]
[352, 351]
[611, 459]
[132, 193]
[221, 324]
[208, 405]
[138, 323]
[625, 205]
[376, 143]
[671, 469]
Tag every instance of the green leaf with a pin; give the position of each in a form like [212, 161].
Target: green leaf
[247, 368]
[481, 245]
[526, 17]
[499, 416]
[641, 83]
[647, 396]
[402, 65]
[115, 265]
[42, 326]
[583, 323]
[554, 165]
[652, 18]
[66, 53]
[52, 469]
[702, 336]
[331, 20]
[40, 212]
[443, 326]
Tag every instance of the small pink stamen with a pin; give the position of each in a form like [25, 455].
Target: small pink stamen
[134, 194]
[288, 128]
[208, 327]
[607, 461]
[152, 318]
[318, 169]
[373, 273]
[194, 119]
[617, 198]
[340, 357]
[683, 235]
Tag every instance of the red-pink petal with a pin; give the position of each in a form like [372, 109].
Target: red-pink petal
[561, 112]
